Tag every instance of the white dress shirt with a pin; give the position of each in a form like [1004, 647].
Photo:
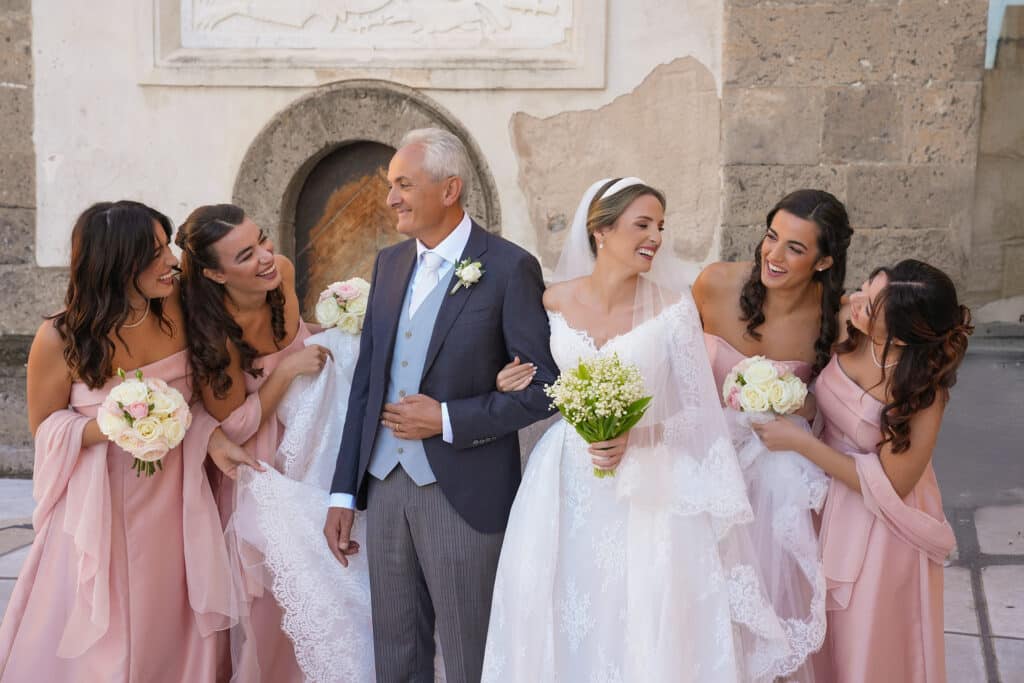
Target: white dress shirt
[450, 249]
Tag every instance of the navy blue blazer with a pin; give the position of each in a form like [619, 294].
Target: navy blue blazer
[478, 330]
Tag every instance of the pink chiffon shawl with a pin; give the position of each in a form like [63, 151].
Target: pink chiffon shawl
[110, 590]
[261, 651]
[882, 555]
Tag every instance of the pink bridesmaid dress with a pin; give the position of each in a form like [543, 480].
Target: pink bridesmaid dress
[261, 649]
[724, 357]
[882, 555]
[110, 590]
[789, 589]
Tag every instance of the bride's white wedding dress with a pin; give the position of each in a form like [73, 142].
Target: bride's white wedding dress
[649, 575]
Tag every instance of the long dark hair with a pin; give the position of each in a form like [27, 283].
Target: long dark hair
[210, 325]
[922, 313]
[111, 245]
[834, 233]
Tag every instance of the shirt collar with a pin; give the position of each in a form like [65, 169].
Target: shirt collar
[452, 246]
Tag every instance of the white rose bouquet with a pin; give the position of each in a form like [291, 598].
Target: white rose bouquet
[602, 399]
[343, 305]
[145, 417]
[759, 385]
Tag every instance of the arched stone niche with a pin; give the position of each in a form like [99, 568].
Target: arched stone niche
[280, 159]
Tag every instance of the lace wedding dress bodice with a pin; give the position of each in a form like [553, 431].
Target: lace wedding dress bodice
[646, 575]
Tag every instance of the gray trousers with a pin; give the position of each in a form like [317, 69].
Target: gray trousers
[427, 567]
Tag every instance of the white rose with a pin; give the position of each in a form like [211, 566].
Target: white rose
[148, 428]
[350, 323]
[153, 451]
[128, 440]
[173, 431]
[470, 273]
[796, 394]
[164, 403]
[779, 395]
[357, 305]
[753, 399]
[328, 312]
[110, 423]
[760, 372]
[130, 391]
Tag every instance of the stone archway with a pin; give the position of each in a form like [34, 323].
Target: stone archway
[284, 161]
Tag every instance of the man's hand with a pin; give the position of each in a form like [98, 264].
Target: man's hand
[413, 418]
[228, 456]
[338, 532]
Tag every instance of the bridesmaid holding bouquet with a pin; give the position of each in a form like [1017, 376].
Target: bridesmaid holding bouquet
[884, 536]
[110, 590]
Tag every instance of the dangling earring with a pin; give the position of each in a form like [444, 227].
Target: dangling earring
[600, 245]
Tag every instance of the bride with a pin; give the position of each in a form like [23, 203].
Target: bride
[648, 575]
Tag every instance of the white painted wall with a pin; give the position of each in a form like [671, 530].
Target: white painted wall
[99, 135]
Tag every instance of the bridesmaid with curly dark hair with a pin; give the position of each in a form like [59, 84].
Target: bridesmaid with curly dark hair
[111, 589]
[246, 337]
[884, 535]
[783, 305]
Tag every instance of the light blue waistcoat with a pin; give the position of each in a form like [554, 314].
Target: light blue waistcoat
[404, 380]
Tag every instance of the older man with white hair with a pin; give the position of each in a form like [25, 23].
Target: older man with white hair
[430, 447]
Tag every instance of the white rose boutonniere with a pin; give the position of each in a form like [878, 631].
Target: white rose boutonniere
[469, 273]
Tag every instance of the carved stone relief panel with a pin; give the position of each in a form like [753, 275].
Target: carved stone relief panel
[451, 44]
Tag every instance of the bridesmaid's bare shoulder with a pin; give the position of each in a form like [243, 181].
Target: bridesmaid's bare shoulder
[48, 342]
[721, 279]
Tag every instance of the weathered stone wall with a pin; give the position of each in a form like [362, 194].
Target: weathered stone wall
[25, 290]
[875, 101]
[997, 244]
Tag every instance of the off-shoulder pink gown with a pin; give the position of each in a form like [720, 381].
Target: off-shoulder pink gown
[262, 650]
[882, 555]
[110, 590]
[785, 491]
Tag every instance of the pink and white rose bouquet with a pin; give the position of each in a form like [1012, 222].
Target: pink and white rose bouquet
[146, 418]
[760, 385]
[343, 305]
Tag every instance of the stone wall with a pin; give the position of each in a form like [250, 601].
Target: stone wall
[875, 101]
[997, 243]
[26, 290]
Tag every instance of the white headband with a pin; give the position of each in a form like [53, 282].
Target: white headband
[620, 185]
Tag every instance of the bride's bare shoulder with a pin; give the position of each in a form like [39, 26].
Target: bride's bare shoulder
[558, 295]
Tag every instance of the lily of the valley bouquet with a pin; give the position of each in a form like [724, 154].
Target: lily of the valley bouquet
[343, 305]
[602, 398]
[146, 418]
[759, 385]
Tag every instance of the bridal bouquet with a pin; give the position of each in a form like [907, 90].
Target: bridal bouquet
[602, 398]
[343, 305]
[146, 418]
[758, 385]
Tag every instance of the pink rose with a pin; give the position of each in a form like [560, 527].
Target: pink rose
[781, 368]
[734, 398]
[348, 291]
[138, 410]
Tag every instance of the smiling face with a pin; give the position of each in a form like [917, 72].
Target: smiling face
[421, 203]
[245, 256]
[789, 252]
[156, 281]
[633, 240]
[863, 304]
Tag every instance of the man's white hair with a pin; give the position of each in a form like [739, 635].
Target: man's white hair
[444, 155]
